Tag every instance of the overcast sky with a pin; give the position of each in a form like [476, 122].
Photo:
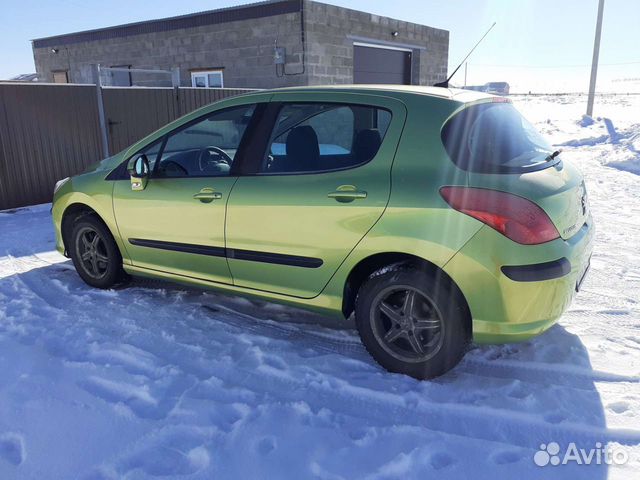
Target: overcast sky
[536, 44]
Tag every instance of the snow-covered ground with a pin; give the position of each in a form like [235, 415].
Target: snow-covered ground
[160, 380]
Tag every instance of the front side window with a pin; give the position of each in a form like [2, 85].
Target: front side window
[495, 138]
[207, 79]
[151, 152]
[204, 148]
[317, 137]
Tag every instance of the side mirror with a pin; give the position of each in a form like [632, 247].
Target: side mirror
[139, 172]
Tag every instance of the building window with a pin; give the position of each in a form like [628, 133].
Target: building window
[207, 79]
[61, 76]
[120, 76]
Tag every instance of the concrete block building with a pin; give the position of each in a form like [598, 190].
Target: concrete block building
[262, 45]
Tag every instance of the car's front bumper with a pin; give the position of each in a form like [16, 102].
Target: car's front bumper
[56, 216]
[517, 291]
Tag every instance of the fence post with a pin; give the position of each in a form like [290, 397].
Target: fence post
[101, 115]
[176, 99]
[175, 77]
[175, 82]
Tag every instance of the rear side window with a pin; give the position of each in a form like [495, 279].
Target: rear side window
[320, 137]
[495, 138]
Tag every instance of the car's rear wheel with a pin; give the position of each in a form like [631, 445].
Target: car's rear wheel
[94, 253]
[412, 322]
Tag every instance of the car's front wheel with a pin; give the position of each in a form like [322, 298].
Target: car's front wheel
[412, 322]
[94, 253]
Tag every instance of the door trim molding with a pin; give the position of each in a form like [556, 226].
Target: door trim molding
[231, 253]
[275, 258]
[179, 247]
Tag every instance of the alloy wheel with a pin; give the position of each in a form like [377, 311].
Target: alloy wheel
[92, 252]
[407, 323]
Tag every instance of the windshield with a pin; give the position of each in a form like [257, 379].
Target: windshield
[495, 138]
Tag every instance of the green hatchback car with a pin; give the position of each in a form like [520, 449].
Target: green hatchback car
[436, 216]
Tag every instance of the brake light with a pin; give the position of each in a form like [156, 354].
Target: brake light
[515, 217]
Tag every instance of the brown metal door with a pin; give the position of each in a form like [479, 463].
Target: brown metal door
[133, 113]
[381, 65]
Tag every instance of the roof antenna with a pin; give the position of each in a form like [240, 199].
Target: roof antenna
[445, 84]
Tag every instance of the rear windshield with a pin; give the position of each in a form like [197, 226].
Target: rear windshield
[495, 138]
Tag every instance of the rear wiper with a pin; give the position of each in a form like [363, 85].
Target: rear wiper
[553, 155]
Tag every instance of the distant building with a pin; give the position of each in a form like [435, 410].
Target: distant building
[25, 77]
[261, 45]
[496, 88]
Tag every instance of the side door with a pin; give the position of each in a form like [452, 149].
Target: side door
[176, 223]
[322, 183]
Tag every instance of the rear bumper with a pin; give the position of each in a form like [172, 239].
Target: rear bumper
[538, 272]
[517, 291]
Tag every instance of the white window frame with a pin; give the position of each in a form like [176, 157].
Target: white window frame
[383, 46]
[205, 74]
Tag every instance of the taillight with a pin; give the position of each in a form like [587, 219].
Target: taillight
[515, 217]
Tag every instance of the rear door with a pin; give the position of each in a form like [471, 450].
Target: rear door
[321, 184]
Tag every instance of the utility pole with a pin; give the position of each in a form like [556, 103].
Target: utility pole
[465, 74]
[594, 61]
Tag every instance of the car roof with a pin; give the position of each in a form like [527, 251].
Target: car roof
[454, 94]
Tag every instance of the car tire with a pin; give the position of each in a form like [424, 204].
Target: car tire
[95, 254]
[412, 321]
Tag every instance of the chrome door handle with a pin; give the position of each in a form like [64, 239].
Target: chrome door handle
[347, 193]
[207, 195]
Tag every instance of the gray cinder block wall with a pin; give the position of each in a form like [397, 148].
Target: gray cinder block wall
[332, 31]
[241, 41]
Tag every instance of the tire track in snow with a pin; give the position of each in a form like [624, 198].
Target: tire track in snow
[541, 370]
[503, 367]
[485, 423]
[479, 421]
[353, 349]
[437, 413]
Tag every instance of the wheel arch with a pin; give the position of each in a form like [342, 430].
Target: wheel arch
[73, 212]
[365, 267]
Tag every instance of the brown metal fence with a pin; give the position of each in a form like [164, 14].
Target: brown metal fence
[132, 113]
[190, 98]
[48, 132]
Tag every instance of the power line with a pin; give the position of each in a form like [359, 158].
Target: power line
[552, 66]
